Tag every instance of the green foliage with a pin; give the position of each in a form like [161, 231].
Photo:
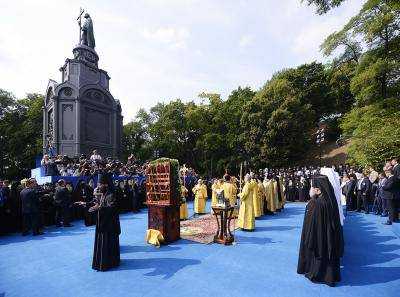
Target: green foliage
[352, 48]
[20, 134]
[377, 72]
[205, 136]
[374, 131]
[277, 122]
[323, 6]
[339, 77]
[372, 125]
[270, 127]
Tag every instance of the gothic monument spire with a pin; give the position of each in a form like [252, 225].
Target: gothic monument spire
[80, 114]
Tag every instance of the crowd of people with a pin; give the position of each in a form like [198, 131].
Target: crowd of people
[28, 207]
[362, 190]
[83, 166]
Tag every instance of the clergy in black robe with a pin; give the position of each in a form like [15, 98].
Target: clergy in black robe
[131, 190]
[290, 189]
[84, 193]
[322, 244]
[303, 190]
[78, 212]
[106, 245]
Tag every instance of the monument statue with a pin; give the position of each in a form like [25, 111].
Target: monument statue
[80, 114]
[86, 31]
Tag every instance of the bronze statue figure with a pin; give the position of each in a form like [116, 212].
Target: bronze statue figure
[86, 31]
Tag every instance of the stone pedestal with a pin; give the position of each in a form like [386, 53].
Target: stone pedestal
[80, 114]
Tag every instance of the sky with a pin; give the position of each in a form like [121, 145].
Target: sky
[161, 50]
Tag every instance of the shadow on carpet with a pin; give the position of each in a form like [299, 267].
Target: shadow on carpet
[367, 261]
[165, 267]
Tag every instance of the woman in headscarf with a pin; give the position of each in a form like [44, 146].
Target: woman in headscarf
[322, 244]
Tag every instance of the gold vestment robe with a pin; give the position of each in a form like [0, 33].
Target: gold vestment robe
[200, 198]
[246, 213]
[229, 192]
[270, 195]
[256, 199]
[261, 195]
[183, 210]
[214, 189]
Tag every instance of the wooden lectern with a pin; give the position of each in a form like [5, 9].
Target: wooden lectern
[163, 198]
[223, 215]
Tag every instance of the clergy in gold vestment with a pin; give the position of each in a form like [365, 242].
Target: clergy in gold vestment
[229, 190]
[246, 214]
[200, 197]
[233, 181]
[183, 211]
[276, 195]
[270, 194]
[215, 186]
[261, 195]
[281, 188]
[256, 198]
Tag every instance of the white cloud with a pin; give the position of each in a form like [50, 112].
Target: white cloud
[246, 40]
[161, 50]
[174, 37]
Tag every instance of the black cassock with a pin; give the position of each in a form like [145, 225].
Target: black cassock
[322, 244]
[106, 253]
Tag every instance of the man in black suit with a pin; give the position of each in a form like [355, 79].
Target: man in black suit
[363, 194]
[30, 208]
[390, 192]
[396, 169]
[396, 173]
[349, 191]
[62, 201]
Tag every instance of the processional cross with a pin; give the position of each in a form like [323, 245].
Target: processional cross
[79, 19]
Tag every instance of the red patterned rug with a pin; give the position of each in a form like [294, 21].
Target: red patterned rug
[201, 229]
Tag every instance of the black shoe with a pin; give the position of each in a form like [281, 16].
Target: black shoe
[58, 225]
[25, 233]
[39, 233]
[387, 223]
[69, 225]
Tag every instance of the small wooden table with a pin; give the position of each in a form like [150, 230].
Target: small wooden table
[223, 216]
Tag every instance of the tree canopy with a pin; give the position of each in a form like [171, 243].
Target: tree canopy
[20, 133]
[369, 47]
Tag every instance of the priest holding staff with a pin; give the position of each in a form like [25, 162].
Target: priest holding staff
[255, 197]
[261, 195]
[183, 210]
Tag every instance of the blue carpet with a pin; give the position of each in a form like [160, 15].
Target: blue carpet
[262, 263]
